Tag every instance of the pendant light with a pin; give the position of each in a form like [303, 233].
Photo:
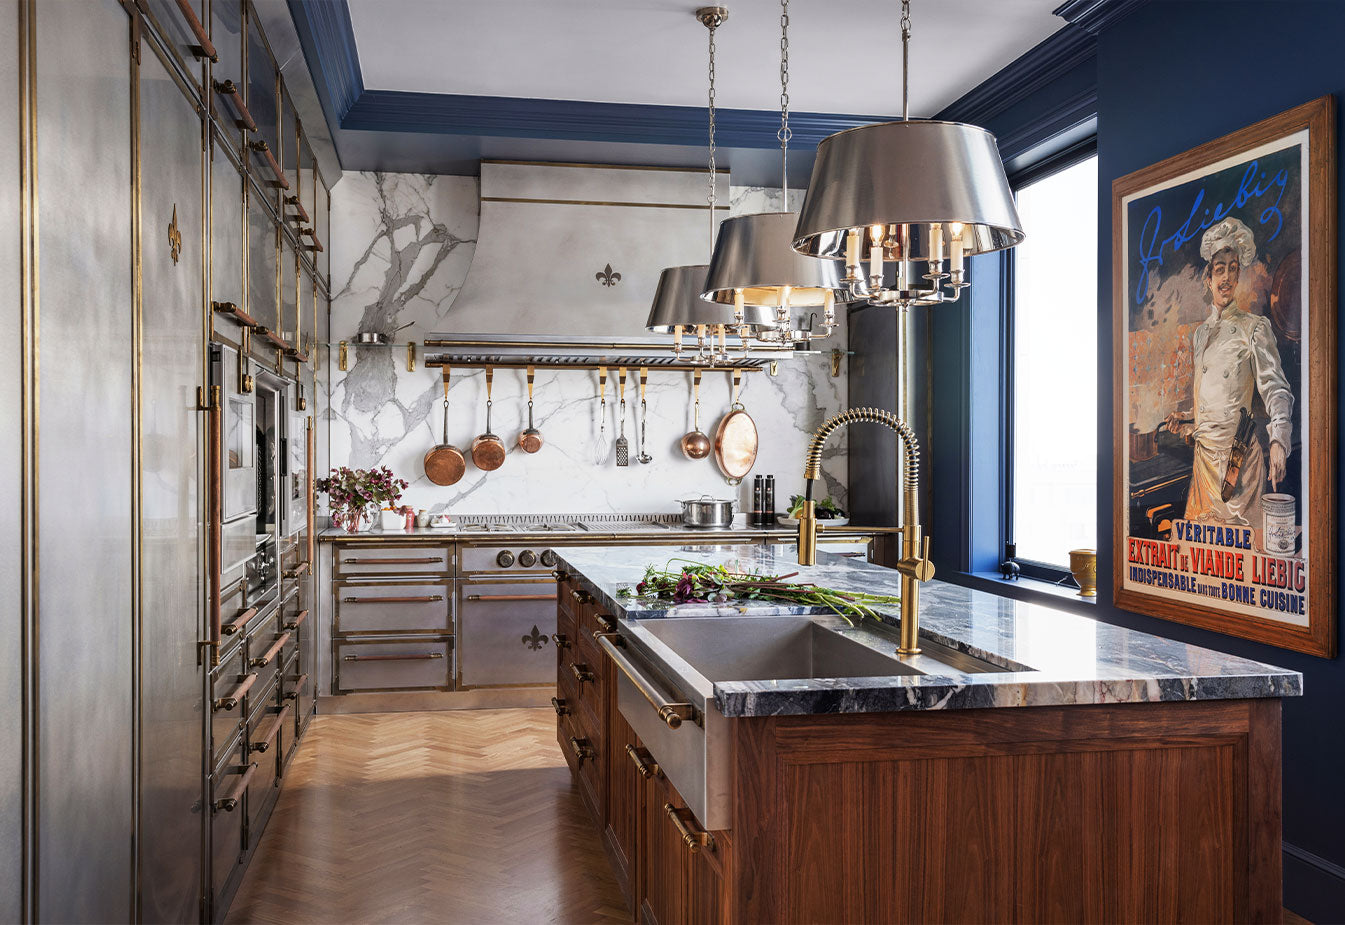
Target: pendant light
[755, 265]
[678, 308]
[907, 193]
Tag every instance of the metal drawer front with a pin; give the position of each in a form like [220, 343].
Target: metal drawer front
[393, 665]
[226, 824]
[505, 631]
[392, 560]
[264, 656]
[228, 700]
[384, 608]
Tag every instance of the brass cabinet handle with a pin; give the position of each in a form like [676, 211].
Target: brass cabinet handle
[278, 720]
[207, 48]
[231, 699]
[511, 597]
[298, 570]
[561, 640]
[265, 657]
[230, 91]
[238, 622]
[643, 761]
[264, 150]
[427, 599]
[559, 706]
[298, 620]
[694, 837]
[430, 560]
[561, 575]
[299, 683]
[392, 658]
[298, 207]
[229, 801]
[673, 713]
[580, 596]
[605, 622]
[582, 673]
[583, 751]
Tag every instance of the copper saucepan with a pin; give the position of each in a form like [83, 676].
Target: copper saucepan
[530, 441]
[487, 449]
[444, 463]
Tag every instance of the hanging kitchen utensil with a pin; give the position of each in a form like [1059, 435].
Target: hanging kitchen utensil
[604, 446]
[488, 450]
[696, 445]
[736, 438]
[444, 464]
[644, 456]
[622, 444]
[530, 441]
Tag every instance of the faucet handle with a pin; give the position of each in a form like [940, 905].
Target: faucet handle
[918, 567]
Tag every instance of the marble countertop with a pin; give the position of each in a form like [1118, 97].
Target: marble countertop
[673, 534]
[1050, 657]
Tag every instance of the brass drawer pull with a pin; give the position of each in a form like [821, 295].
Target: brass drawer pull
[561, 575]
[229, 802]
[299, 569]
[561, 640]
[694, 838]
[511, 597]
[229, 90]
[583, 751]
[240, 621]
[298, 207]
[643, 761]
[582, 673]
[430, 560]
[673, 713]
[203, 43]
[580, 596]
[232, 699]
[559, 706]
[264, 150]
[392, 658]
[299, 683]
[428, 599]
[278, 720]
[605, 622]
[265, 657]
[298, 620]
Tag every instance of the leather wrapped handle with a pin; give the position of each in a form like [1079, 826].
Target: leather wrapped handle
[272, 727]
[231, 699]
[428, 560]
[511, 597]
[265, 657]
[230, 91]
[317, 244]
[393, 658]
[299, 569]
[264, 150]
[298, 686]
[236, 313]
[299, 208]
[229, 802]
[428, 599]
[207, 48]
[276, 340]
[238, 622]
[298, 620]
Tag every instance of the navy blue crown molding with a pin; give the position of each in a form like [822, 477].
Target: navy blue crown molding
[328, 39]
[1094, 16]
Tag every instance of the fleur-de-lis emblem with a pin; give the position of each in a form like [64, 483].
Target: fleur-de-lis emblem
[607, 276]
[535, 640]
[174, 237]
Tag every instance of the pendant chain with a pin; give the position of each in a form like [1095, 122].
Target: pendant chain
[713, 24]
[905, 59]
[785, 132]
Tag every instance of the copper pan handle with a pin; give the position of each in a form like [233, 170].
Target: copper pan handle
[231, 699]
[229, 801]
[238, 622]
[207, 48]
[230, 91]
[264, 150]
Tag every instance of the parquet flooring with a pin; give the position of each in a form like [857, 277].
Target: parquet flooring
[455, 817]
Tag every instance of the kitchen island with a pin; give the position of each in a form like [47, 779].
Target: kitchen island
[750, 761]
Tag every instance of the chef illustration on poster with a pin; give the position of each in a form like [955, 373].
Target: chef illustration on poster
[1215, 474]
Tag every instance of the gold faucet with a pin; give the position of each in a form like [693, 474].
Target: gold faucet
[914, 564]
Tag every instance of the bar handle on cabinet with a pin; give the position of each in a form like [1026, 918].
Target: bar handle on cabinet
[559, 706]
[312, 233]
[583, 751]
[673, 713]
[264, 150]
[238, 622]
[231, 699]
[643, 761]
[298, 570]
[214, 516]
[229, 802]
[298, 207]
[561, 640]
[582, 673]
[428, 560]
[265, 657]
[298, 620]
[511, 597]
[561, 575]
[298, 686]
[392, 658]
[276, 340]
[582, 597]
[606, 623]
[428, 599]
[205, 47]
[276, 721]
[231, 92]
[694, 837]
[236, 313]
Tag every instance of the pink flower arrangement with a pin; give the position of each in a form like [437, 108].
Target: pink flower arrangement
[351, 491]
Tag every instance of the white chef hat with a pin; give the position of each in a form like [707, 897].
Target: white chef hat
[1229, 233]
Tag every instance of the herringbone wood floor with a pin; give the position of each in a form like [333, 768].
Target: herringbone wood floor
[467, 816]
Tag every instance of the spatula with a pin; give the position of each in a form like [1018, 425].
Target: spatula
[622, 444]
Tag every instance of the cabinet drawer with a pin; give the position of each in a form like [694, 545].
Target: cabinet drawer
[583, 754]
[384, 608]
[393, 560]
[393, 665]
[228, 700]
[504, 633]
[266, 652]
[227, 786]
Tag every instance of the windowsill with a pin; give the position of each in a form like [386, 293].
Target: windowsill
[1030, 590]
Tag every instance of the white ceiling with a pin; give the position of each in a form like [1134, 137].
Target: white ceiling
[845, 55]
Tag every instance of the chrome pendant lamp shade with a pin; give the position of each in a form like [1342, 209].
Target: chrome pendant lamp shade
[678, 303]
[755, 256]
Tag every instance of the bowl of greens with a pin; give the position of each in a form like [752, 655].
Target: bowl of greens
[828, 511]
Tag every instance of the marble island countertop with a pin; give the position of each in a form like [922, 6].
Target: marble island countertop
[671, 533]
[1047, 656]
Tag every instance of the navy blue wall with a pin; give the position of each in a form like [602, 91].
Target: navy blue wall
[1170, 76]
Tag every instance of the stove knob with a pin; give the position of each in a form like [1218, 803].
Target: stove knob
[548, 558]
[527, 558]
[504, 559]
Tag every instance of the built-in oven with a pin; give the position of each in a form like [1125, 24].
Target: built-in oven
[238, 434]
[506, 618]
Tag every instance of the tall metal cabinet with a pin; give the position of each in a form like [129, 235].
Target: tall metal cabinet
[159, 226]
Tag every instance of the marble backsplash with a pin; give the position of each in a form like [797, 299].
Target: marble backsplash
[402, 246]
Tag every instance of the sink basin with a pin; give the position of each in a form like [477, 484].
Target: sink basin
[792, 647]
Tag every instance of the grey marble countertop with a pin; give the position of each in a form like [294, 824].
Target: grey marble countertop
[673, 534]
[1049, 657]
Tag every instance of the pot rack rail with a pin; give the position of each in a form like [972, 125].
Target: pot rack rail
[590, 363]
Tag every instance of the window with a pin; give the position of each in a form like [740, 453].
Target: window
[1051, 484]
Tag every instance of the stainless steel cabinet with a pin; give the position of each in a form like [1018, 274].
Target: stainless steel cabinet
[367, 665]
[504, 633]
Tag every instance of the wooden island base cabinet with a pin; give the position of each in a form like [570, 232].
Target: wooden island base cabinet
[1132, 812]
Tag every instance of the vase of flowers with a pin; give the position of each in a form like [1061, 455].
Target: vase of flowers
[354, 496]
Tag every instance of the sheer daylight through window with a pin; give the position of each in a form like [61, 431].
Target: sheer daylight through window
[1054, 388]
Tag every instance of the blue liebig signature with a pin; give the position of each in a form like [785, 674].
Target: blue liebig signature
[1254, 185]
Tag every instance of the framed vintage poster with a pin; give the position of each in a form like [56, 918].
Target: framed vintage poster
[1224, 282]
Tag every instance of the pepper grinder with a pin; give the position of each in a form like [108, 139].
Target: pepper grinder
[758, 502]
[768, 504]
